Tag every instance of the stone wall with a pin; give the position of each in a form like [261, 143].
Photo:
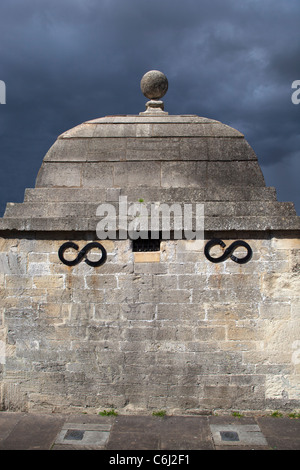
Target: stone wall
[149, 331]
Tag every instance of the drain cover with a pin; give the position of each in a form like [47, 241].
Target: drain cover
[229, 436]
[74, 435]
[80, 435]
[237, 435]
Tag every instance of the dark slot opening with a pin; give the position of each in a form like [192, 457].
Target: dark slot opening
[145, 245]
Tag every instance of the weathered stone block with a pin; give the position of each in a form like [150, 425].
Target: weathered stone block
[275, 310]
[244, 332]
[143, 312]
[183, 174]
[16, 284]
[68, 150]
[178, 312]
[215, 149]
[59, 174]
[48, 281]
[281, 286]
[191, 130]
[190, 245]
[216, 333]
[101, 281]
[163, 296]
[153, 149]
[136, 173]
[12, 263]
[38, 269]
[82, 130]
[83, 296]
[97, 175]
[182, 268]
[121, 295]
[150, 268]
[100, 149]
[286, 243]
[147, 257]
[192, 281]
[235, 173]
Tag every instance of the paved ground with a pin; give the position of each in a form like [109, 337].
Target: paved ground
[27, 431]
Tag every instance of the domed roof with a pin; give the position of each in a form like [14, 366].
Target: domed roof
[150, 150]
[157, 157]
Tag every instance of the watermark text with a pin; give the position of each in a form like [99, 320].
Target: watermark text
[296, 94]
[150, 221]
[2, 352]
[2, 92]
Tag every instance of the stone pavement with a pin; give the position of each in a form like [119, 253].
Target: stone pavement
[28, 431]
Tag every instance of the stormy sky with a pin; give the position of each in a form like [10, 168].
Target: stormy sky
[68, 61]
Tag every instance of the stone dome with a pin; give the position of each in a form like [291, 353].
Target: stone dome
[153, 151]
[157, 157]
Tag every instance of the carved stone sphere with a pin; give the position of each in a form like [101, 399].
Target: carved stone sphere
[154, 85]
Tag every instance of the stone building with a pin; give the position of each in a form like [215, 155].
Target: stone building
[155, 324]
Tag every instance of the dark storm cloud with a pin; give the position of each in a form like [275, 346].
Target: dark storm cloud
[67, 61]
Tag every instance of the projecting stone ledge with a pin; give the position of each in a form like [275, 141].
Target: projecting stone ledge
[86, 210]
[166, 195]
[71, 224]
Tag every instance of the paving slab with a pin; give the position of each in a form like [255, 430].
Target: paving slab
[241, 435]
[31, 431]
[83, 435]
[24, 431]
[168, 433]
[134, 433]
[7, 423]
[84, 432]
[282, 433]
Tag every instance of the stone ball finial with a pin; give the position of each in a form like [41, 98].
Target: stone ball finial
[154, 85]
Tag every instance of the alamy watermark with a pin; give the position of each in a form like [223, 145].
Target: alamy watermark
[296, 94]
[150, 221]
[2, 352]
[2, 92]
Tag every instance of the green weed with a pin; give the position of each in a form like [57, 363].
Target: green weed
[160, 414]
[276, 414]
[237, 414]
[111, 412]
